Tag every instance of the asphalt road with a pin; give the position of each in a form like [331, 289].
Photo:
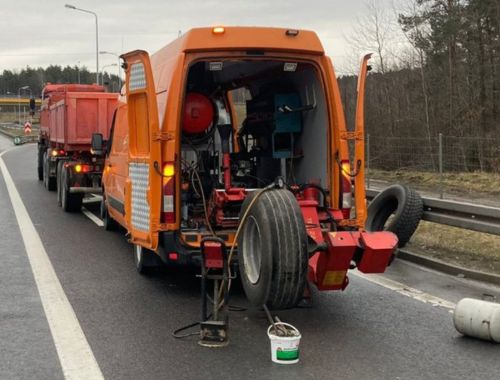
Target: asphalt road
[367, 332]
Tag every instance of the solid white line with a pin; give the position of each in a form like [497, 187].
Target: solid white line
[92, 217]
[405, 290]
[76, 357]
[93, 199]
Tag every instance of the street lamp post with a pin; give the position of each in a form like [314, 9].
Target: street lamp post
[24, 107]
[69, 6]
[119, 66]
[78, 68]
[19, 101]
[102, 71]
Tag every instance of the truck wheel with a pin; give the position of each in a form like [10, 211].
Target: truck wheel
[407, 207]
[108, 222]
[144, 259]
[272, 250]
[70, 202]
[49, 182]
[39, 166]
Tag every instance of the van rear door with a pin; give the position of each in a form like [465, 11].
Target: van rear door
[143, 187]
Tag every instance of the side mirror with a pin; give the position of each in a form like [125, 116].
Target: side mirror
[97, 144]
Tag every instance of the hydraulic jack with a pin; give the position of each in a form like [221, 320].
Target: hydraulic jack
[214, 327]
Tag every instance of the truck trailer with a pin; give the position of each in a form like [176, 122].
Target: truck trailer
[238, 134]
[69, 115]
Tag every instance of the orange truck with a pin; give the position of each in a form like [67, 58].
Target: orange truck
[238, 133]
[69, 116]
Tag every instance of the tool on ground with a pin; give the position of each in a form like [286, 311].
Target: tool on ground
[214, 328]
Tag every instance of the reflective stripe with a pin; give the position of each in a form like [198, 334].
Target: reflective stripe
[139, 176]
[168, 203]
[346, 200]
[137, 76]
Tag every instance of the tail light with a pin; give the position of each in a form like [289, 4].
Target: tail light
[83, 168]
[345, 179]
[56, 152]
[168, 212]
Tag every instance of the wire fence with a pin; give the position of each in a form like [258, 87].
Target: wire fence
[443, 163]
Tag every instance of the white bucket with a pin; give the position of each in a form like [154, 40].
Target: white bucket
[284, 349]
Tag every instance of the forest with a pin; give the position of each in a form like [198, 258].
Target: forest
[436, 70]
[442, 78]
[35, 78]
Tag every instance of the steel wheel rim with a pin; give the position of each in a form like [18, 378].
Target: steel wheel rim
[252, 250]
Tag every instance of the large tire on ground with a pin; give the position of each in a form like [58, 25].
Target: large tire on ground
[39, 166]
[407, 207]
[70, 202]
[48, 181]
[144, 259]
[272, 250]
[109, 223]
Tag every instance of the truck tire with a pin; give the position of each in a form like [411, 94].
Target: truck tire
[144, 259]
[109, 223]
[49, 182]
[407, 207]
[59, 182]
[272, 250]
[39, 166]
[70, 202]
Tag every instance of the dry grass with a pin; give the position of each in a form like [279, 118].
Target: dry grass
[465, 248]
[10, 117]
[16, 131]
[458, 183]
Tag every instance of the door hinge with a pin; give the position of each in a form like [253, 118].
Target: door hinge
[158, 227]
[351, 135]
[162, 136]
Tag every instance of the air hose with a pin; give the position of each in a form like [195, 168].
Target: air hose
[278, 183]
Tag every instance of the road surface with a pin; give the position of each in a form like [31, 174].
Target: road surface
[396, 326]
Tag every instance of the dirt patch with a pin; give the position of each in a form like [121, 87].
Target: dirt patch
[469, 249]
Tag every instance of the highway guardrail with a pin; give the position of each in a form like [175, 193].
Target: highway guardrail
[458, 214]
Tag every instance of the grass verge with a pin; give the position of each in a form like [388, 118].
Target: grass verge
[456, 183]
[469, 249]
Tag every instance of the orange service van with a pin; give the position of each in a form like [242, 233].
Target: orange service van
[239, 133]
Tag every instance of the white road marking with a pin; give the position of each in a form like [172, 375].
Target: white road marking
[94, 198]
[405, 290]
[75, 355]
[92, 217]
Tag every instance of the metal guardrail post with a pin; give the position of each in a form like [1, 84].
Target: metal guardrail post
[368, 160]
[441, 191]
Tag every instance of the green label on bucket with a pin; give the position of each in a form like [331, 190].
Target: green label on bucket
[287, 355]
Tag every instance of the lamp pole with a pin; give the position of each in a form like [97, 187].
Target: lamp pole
[102, 71]
[69, 6]
[119, 67]
[19, 101]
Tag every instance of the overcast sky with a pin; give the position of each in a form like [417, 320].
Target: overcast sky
[43, 32]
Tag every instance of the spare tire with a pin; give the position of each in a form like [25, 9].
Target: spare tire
[407, 207]
[272, 250]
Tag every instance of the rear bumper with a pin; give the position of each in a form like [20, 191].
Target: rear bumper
[186, 256]
[170, 244]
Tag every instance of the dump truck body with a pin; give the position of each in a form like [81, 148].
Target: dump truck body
[222, 116]
[70, 115]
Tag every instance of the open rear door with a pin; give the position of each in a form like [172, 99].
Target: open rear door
[143, 188]
[359, 151]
